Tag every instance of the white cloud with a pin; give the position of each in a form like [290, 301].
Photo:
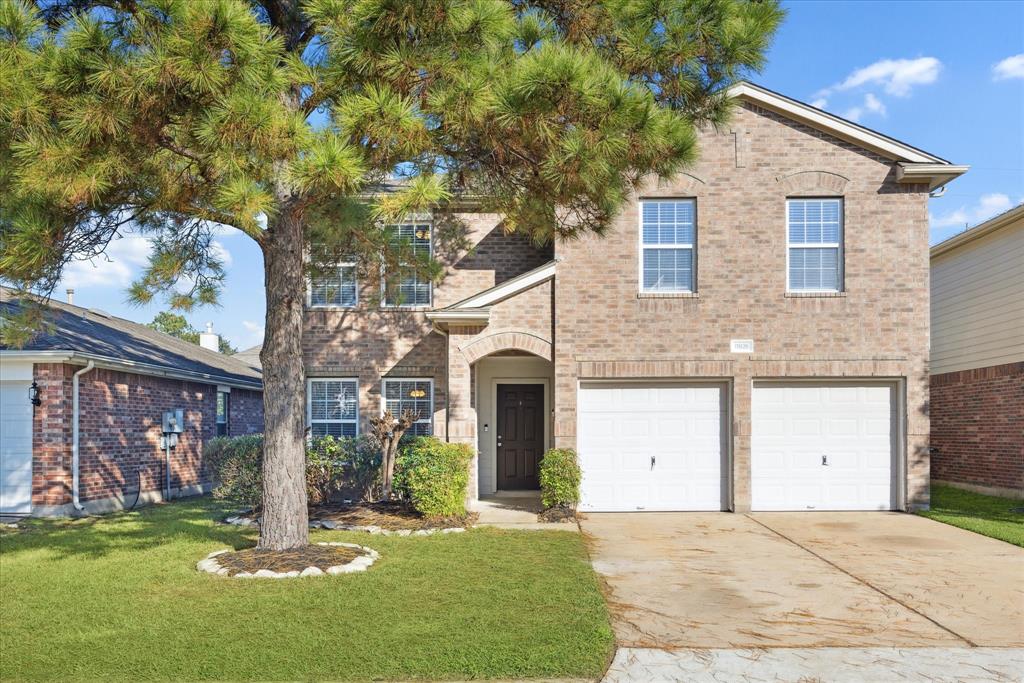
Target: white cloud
[988, 205]
[820, 103]
[870, 105]
[221, 252]
[1011, 67]
[255, 331]
[117, 267]
[896, 76]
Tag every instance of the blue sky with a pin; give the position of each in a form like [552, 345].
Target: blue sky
[947, 77]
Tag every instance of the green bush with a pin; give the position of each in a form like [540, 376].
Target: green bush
[325, 468]
[560, 477]
[331, 464]
[237, 464]
[433, 475]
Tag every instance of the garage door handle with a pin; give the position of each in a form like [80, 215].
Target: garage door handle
[652, 462]
[824, 460]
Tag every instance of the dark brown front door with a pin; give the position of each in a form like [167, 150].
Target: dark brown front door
[520, 435]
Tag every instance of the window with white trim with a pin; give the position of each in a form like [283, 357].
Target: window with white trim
[411, 394]
[333, 407]
[668, 234]
[335, 287]
[815, 245]
[223, 412]
[407, 287]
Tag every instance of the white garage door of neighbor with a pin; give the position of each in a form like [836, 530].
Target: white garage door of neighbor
[15, 447]
[651, 446]
[822, 446]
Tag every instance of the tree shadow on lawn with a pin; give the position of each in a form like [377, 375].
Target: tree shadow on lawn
[193, 521]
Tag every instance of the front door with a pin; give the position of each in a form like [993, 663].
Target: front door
[520, 435]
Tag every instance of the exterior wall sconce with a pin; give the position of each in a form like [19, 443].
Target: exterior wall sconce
[417, 393]
[33, 394]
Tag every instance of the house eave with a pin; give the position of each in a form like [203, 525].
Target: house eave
[79, 358]
[834, 125]
[460, 316]
[991, 225]
[934, 175]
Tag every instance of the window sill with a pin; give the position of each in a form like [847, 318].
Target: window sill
[331, 308]
[815, 295]
[667, 295]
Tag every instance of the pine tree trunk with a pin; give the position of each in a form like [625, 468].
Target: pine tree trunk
[285, 516]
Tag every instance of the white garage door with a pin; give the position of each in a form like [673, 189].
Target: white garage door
[651, 446]
[15, 447]
[822, 446]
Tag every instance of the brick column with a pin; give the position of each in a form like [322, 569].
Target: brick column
[741, 419]
[918, 462]
[461, 414]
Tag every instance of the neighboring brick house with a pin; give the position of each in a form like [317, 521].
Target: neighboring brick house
[977, 369]
[751, 334]
[127, 376]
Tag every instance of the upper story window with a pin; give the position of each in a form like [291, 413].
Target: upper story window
[223, 412]
[407, 287]
[336, 287]
[411, 394]
[668, 237]
[333, 407]
[815, 245]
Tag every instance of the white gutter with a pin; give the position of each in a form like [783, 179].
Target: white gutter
[75, 436]
[127, 366]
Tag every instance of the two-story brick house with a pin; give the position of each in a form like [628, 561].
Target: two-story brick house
[752, 334]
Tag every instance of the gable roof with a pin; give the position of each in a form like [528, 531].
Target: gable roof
[1002, 220]
[913, 165]
[477, 308]
[74, 332]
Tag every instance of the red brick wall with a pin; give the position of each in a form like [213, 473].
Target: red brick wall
[246, 412]
[978, 426]
[120, 425]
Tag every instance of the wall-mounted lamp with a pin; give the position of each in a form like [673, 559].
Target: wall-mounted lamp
[33, 395]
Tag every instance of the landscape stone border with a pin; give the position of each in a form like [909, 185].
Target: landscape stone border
[359, 564]
[242, 520]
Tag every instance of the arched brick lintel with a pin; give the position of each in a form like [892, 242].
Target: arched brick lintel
[813, 182]
[505, 341]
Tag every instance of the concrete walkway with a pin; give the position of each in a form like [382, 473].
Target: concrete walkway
[874, 665]
[515, 510]
[806, 594]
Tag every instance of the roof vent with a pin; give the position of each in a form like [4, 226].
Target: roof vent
[102, 314]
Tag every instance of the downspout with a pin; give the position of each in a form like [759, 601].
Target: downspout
[75, 436]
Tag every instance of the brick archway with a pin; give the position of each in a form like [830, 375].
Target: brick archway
[506, 341]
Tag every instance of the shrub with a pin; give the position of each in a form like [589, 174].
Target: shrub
[560, 477]
[237, 463]
[325, 467]
[433, 476]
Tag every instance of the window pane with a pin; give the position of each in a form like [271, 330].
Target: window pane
[668, 270]
[333, 407]
[337, 288]
[410, 288]
[415, 395]
[668, 222]
[814, 269]
[814, 221]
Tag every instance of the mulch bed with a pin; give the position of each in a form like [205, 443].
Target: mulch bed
[319, 556]
[557, 514]
[388, 516]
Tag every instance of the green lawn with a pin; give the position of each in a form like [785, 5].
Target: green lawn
[119, 598]
[989, 515]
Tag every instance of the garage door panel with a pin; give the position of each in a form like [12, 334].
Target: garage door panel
[680, 426]
[15, 447]
[794, 426]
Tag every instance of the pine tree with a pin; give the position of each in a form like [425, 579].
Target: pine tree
[284, 119]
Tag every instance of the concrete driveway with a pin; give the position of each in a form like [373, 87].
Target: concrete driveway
[805, 580]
